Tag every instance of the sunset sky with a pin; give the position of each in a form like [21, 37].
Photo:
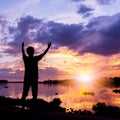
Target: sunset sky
[85, 36]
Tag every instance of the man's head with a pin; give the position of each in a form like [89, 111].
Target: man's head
[30, 51]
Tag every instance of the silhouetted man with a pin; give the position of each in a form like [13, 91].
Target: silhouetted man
[31, 71]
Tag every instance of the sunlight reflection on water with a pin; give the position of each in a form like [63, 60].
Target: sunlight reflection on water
[73, 96]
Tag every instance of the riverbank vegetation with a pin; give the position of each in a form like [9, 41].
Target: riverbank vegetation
[10, 106]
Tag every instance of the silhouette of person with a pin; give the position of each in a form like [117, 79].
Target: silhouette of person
[31, 71]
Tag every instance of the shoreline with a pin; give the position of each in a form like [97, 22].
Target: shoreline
[52, 111]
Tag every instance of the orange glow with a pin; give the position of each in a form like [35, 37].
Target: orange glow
[116, 101]
[64, 60]
[85, 77]
[85, 68]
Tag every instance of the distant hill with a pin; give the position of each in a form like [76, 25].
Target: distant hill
[56, 82]
[111, 82]
[3, 81]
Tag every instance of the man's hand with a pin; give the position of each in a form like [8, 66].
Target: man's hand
[49, 44]
[22, 44]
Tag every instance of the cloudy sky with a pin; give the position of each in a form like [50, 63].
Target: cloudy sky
[85, 36]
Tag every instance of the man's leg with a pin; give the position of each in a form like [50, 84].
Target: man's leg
[34, 89]
[26, 87]
[34, 95]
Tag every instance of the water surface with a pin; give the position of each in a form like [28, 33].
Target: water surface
[75, 96]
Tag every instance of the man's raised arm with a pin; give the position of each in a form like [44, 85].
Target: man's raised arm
[49, 44]
[23, 52]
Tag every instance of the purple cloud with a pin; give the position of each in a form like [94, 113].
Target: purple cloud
[85, 10]
[26, 30]
[105, 2]
[3, 22]
[100, 36]
[7, 73]
[62, 34]
[78, 0]
[3, 26]
[107, 41]
[31, 30]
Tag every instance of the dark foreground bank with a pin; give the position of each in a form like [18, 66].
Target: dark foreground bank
[42, 110]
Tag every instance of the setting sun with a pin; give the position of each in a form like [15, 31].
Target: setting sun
[85, 77]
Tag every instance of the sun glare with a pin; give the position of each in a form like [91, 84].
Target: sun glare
[85, 78]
